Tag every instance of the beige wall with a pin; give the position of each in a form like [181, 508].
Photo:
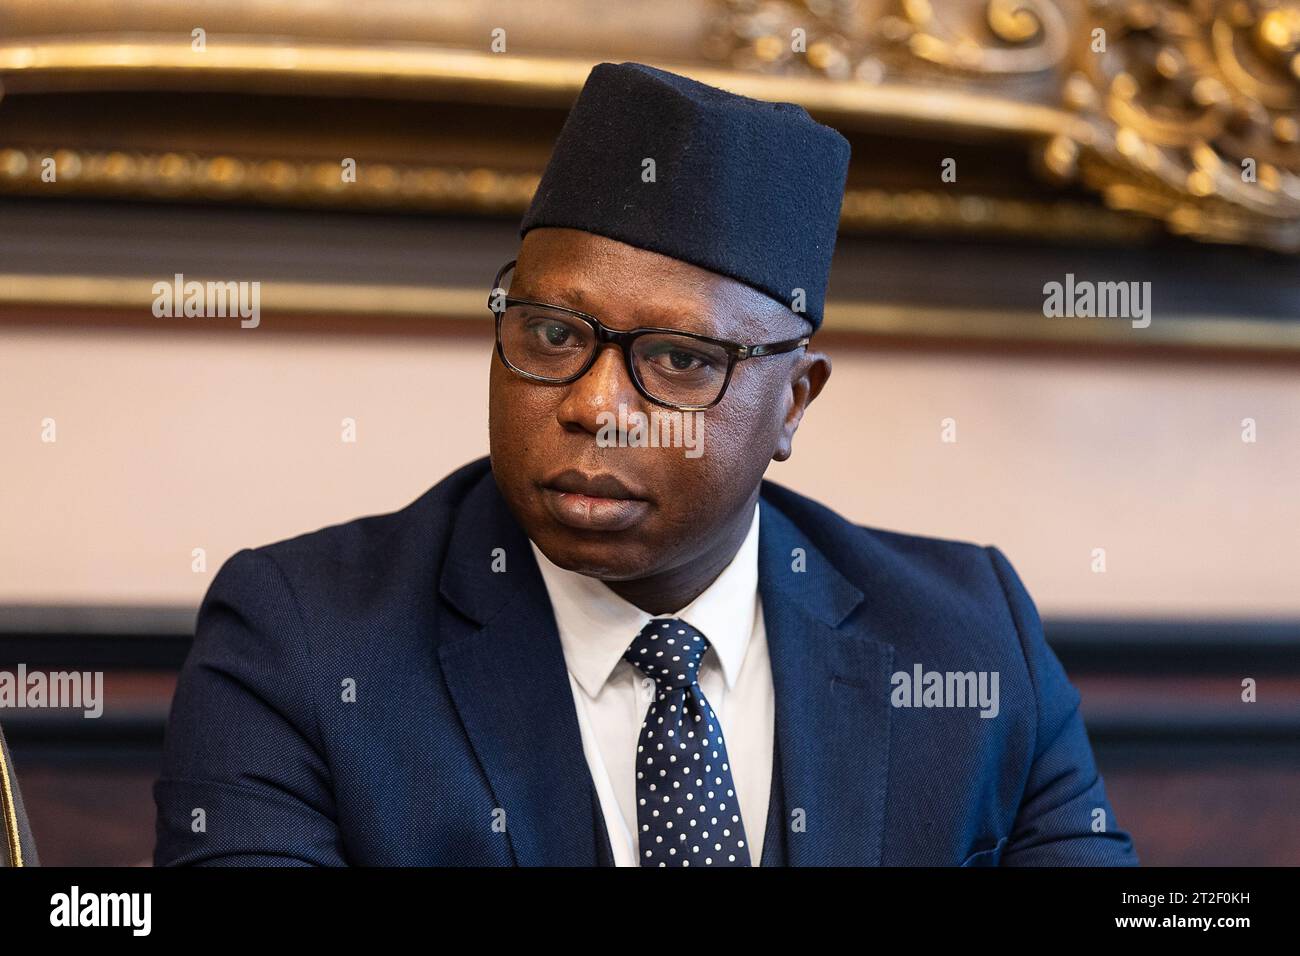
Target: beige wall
[172, 441]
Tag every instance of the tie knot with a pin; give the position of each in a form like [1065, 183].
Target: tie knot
[668, 651]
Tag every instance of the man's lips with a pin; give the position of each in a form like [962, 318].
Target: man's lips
[599, 502]
[602, 485]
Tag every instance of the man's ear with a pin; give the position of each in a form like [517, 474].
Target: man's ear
[809, 378]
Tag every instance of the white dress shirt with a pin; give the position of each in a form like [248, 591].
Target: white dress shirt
[596, 626]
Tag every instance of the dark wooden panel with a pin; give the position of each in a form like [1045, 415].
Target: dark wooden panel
[1198, 776]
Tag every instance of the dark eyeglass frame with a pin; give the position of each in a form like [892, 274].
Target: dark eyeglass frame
[736, 352]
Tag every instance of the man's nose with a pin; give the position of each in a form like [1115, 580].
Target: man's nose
[604, 387]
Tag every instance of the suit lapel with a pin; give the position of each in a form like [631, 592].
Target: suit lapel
[774, 848]
[507, 677]
[831, 676]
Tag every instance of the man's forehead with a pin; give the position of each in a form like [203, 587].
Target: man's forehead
[588, 272]
[629, 297]
[696, 306]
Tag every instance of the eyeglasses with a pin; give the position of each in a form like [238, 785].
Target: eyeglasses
[675, 369]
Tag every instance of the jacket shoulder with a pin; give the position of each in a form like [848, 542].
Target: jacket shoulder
[864, 554]
[927, 593]
[367, 540]
[378, 561]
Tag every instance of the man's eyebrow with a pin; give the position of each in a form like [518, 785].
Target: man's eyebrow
[646, 313]
[571, 296]
[684, 313]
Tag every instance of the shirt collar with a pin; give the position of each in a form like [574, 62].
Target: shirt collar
[596, 625]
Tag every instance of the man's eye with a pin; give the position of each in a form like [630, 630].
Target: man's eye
[681, 360]
[555, 334]
[684, 361]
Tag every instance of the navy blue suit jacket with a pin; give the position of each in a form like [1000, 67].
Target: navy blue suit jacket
[375, 693]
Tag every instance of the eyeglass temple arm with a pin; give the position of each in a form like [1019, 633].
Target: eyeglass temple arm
[496, 283]
[774, 348]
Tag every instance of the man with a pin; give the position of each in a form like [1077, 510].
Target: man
[598, 648]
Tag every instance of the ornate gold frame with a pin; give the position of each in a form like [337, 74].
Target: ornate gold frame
[1160, 122]
[1153, 126]
[9, 811]
[416, 310]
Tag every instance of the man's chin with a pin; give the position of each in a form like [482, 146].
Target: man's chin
[608, 556]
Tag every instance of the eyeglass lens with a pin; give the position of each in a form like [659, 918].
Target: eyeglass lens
[553, 345]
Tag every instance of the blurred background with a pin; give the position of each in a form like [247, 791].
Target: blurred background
[368, 166]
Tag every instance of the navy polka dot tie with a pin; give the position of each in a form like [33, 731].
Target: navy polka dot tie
[686, 807]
